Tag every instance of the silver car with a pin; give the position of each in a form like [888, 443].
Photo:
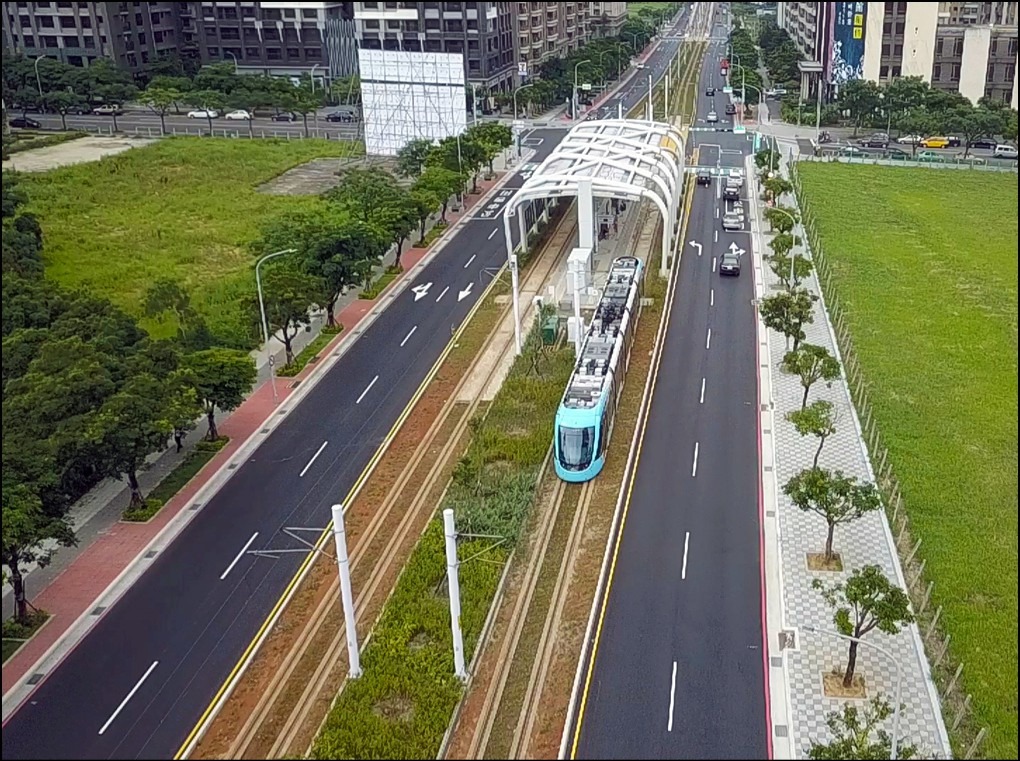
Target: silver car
[712, 117]
[733, 222]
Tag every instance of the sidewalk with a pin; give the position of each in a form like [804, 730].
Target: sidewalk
[800, 657]
[110, 558]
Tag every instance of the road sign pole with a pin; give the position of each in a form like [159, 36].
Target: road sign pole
[452, 564]
[347, 595]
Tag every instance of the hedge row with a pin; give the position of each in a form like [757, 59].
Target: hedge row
[403, 703]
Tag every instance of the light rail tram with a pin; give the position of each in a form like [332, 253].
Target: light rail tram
[584, 420]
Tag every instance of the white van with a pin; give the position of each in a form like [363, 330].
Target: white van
[1004, 152]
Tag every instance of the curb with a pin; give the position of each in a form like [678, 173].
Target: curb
[25, 685]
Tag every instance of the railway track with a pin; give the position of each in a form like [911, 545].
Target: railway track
[295, 702]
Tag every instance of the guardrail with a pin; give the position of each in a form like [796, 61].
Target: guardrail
[989, 165]
[258, 134]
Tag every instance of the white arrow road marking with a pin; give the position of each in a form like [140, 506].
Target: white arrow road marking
[238, 556]
[130, 695]
[468, 262]
[440, 296]
[421, 291]
[696, 245]
[466, 292]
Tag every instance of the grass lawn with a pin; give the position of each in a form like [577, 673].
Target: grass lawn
[185, 208]
[926, 264]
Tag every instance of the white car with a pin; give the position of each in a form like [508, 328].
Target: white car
[712, 117]
[1004, 152]
[240, 115]
[775, 92]
[203, 113]
[910, 139]
[732, 222]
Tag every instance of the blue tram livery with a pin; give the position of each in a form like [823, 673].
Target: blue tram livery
[584, 420]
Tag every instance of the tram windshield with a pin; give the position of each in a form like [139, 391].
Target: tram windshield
[576, 447]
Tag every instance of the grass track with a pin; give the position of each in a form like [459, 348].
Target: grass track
[925, 263]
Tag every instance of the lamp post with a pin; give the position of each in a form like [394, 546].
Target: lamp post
[474, 104]
[235, 60]
[516, 115]
[573, 113]
[311, 75]
[895, 739]
[619, 59]
[38, 80]
[888, 114]
[262, 311]
[761, 99]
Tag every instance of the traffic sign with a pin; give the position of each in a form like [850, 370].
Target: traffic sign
[727, 89]
[738, 129]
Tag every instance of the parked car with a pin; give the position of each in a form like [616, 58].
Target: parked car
[23, 122]
[935, 142]
[975, 160]
[1005, 152]
[712, 117]
[704, 177]
[203, 113]
[984, 142]
[240, 115]
[875, 141]
[910, 139]
[729, 264]
[284, 116]
[954, 141]
[108, 109]
[710, 91]
[851, 151]
[730, 109]
[930, 157]
[775, 92]
[347, 116]
[896, 154]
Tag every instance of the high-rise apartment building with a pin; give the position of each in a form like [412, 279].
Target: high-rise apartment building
[482, 31]
[967, 47]
[132, 34]
[607, 18]
[549, 30]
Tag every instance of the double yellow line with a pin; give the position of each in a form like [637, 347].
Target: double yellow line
[199, 728]
[633, 473]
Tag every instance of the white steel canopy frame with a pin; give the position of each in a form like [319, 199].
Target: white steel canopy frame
[624, 159]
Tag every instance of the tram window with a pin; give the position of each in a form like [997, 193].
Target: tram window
[576, 446]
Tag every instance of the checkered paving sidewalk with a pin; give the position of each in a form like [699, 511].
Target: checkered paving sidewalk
[865, 541]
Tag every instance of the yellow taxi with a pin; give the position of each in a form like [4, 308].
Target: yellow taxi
[935, 142]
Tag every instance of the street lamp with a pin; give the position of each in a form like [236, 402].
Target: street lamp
[311, 75]
[235, 59]
[38, 80]
[573, 113]
[761, 98]
[516, 114]
[888, 114]
[619, 59]
[895, 740]
[262, 311]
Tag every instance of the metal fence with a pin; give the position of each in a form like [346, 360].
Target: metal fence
[258, 134]
[989, 165]
[945, 668]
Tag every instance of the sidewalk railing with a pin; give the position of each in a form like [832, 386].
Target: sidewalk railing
[995, 165]
[946, 670]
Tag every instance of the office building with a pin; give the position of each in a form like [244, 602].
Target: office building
[970, 48]
[132, 34]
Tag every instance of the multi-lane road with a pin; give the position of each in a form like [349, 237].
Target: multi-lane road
[677, 669]
[136, 685]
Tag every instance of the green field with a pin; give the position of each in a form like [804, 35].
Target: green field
[925, 265]
[185, 208]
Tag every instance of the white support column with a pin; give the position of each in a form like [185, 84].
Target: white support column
[585, 215]
[649, 111]
[511, 258]
[452, 565]
[665, 116]
[619, 109]
[578, 327]
[346, 594]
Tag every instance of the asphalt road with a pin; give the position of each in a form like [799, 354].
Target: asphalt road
[679, 670]
[140, 680]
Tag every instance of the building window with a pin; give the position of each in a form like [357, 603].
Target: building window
[89, 42]
[313, 54]
[251, 52]
[431, 24]
[293, 53]
[958, 47]
[45, 22]
[898, 49]
[883, 72]
[271, 14]
[28, 40]
[936, 73]
[411, 26]
[214, 52]
[273, 54]
[67, 22]
[49, 42]
[247, 12]
[954, 75]
[141, 38]
[454, 25]
[288, 13]
[86, 22]
[371, 24]
[394, 25]
[308, 13]
[895, 71]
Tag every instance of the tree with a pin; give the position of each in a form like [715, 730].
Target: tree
[303, 100]
[812, 363]
[425, 202]
[289, 294]
[411, 158]
[783, 243]
[366, 194]
[834, 496]
[915, 121]
[779, 218]
[973, 122]
[859, 97]
[29, 535]
[852, 728]
[866, 601]
[404, 220]
[105, 81]
[220, 378]
[441, 182]
[787, 313]
[208, 101]
[131, 425]
[166, 296]
[63, 103]
[902, 95]
[766, 158]
[459, 155]
[1010, 130]
[161, 100]
[775, 186]
[494, 137]
[817, 419]
[183, 85]
[182, 407]
[781, 265]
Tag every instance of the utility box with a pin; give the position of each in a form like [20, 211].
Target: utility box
[550, 327]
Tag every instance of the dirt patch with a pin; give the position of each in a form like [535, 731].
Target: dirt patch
[397, 708]
[832, 685]
[816, 562]
[418, 640]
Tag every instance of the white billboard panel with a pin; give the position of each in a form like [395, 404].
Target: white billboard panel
[407, 96]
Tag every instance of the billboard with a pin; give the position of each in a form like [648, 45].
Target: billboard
[846, 42]
[407, 96]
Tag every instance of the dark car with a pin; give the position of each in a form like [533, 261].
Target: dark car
[954, 141]
[710, 91]
[340, 116]
[984, 142]
[284, 116]
[23, 122]
[875, 141]
[730, 109]
[729, 264]
[704, 177]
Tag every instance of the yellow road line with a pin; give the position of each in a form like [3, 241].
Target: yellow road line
[630, 488]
